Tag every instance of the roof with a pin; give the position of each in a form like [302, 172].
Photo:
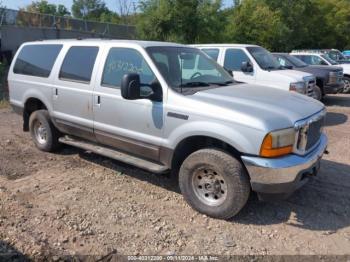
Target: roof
[223, 45]
[305, 53]
[279, 53]
[143, 44]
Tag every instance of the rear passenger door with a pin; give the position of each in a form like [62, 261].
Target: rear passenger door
[72, 92]
[233, 59]
[134, 126]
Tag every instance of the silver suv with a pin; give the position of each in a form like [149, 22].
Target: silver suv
[164, 106]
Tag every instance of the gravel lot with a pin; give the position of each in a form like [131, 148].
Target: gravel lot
[75, 202]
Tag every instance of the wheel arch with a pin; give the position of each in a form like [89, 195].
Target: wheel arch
[31, 105]
[193, 143]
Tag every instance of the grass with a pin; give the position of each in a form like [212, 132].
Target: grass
[4, 104]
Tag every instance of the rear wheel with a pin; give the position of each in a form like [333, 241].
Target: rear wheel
[43, 132]
[214, 183]
[346, 85]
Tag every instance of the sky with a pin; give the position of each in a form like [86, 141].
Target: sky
[112, 4]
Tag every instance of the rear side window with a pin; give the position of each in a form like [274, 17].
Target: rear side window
[79, 63]
[234, 59]
[213, 53]
[36, 60]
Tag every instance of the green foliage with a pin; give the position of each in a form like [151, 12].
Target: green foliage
[186, 21]
[43, 7]
[275, 24]
[291, 24]
[91, 10]
[253, 22]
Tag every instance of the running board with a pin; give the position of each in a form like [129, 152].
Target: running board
[114, 154]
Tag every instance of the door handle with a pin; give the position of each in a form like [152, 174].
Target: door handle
[55, 96]
[98, 101]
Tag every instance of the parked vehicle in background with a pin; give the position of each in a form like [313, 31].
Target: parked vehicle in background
[255, 65]
[329, 79]
[318, 58]
[163, 106]
[346, 53]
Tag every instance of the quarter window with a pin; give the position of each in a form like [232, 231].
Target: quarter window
[36, 60]
[213, 53]
[121, 61]
[234, 59]
[79, 63]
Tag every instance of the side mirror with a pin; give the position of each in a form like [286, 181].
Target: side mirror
[247, 67]
[130, 86]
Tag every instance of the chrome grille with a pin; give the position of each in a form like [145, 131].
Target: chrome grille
[314, 133]
[309, 133]
[335, 77]
[340, 76]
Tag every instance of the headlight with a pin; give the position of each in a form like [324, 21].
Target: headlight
[299, 87]
[278, 143]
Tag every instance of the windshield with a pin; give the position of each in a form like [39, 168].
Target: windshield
[264, 58]
[328, 59]
[186, 68]
[295, 61]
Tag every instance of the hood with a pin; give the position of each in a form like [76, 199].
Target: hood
[267, 107]
[324, 67]
[319, 71]
[296, 75]
[346, 68]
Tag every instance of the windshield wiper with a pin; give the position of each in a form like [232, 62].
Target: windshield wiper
[270, 67]
[194, 84]
[226, 83]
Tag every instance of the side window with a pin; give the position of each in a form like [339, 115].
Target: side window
[234, 59]
[315, 60]
[213, 53]
[36, 60]
[305, 59]
[79, 63]
[121, 61]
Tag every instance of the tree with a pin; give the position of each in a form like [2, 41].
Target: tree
[186, 21]
[90, 9]
[43, 7]
[253, 22]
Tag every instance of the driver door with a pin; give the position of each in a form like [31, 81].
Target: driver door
[233, 59]
[133, 126]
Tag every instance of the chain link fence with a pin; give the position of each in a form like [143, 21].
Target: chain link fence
[27, 19]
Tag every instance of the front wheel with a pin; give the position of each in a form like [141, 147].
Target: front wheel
[346, 88]
[317, 93]
[43, 132]
[214, 183]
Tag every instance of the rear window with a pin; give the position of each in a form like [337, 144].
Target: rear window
[79, 63]
[36, 60]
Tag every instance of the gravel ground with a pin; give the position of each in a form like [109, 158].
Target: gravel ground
[75, 202]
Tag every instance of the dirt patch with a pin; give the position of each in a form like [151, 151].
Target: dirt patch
[75, 202]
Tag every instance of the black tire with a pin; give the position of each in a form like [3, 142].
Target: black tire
[214, 165]
[346, 89]
[43, 132]
[317, 93]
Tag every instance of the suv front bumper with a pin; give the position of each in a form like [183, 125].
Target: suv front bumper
[283, 175]
[333, 88]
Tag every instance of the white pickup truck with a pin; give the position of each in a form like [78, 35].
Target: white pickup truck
[255, 65]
